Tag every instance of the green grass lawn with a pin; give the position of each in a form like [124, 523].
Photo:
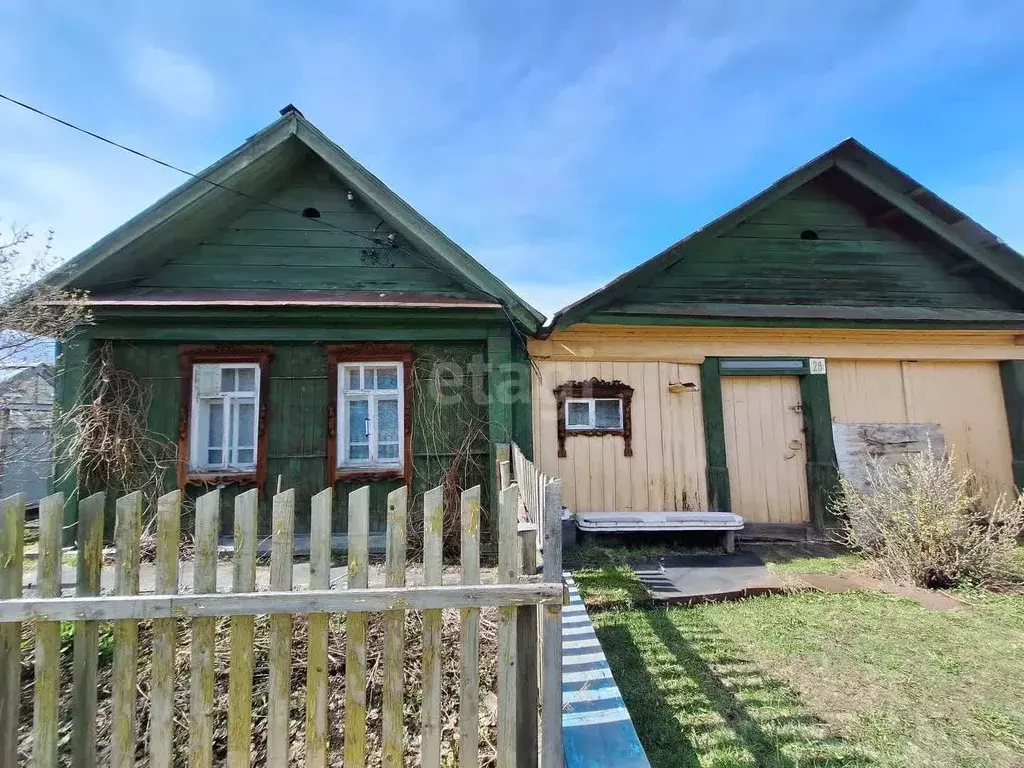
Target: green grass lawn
[810, 679]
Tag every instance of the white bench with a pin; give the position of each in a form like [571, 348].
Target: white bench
[639, 522]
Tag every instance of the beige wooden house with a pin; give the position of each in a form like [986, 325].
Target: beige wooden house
[710, 377]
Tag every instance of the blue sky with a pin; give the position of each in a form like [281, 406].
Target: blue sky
[559, 142]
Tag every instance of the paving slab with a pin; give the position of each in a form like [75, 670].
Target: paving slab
[939, 601]
[688, 579]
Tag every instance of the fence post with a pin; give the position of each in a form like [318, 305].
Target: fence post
[86, 644]
[319, 626]
[165, 633]
[204, 633]
[242, 633]
[551, 704]
[469, 694]
[526, 651]
[279, 654]
[47, 683]
[127, 532]
[433, 531]
[355, 628]
[508, 573]
[12, 543]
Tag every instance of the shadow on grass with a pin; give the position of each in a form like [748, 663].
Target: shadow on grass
[695, 700]
[805, 557]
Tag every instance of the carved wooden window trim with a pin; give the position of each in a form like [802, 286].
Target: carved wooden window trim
[190, 355]
[368, 352]
[599, 390]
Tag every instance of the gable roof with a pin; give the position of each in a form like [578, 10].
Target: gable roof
[904, 198]
[246, 175]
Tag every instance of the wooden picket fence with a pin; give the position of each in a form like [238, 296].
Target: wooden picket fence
[515, 595]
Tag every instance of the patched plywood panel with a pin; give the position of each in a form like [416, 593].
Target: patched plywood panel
[857, 445]
[667, 469]
[765, 448]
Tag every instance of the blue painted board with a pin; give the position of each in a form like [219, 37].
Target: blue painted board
[596, 729]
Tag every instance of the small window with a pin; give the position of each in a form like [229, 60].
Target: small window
[225, 421]
[371, 415]
[594, 408]
[593, 413]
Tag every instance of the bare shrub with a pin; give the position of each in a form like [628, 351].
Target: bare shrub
[924, 521]
[32, 309]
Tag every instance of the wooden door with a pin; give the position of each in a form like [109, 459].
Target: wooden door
[765, 448]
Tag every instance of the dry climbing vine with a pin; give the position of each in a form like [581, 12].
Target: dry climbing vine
[450, 418]
[104, 439]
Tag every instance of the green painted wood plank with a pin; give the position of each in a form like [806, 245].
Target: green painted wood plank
[71, 381]
[714, 436]
[285, 276]
[1011, 372]
[499, 405]
[826, 232]
[296, 236]
[822, 472]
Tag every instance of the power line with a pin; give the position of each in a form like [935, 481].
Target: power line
[178, 169]
[255, 199]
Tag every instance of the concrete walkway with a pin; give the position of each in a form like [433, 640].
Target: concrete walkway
[686, 579]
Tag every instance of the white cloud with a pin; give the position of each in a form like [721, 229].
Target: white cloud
[176, 82]
[540, 141]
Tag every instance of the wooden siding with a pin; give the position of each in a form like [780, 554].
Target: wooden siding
[666, 471]
[965, 399]
[270, 249]
[297, 422]
[682, 344]
[765, 448]
[854, 262]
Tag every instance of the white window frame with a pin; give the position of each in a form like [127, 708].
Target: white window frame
[592, 419]
[198, 451]
[371, 396]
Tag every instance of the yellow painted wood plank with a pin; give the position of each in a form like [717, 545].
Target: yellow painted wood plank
[657, 472]
[682, 344]
[641, 472]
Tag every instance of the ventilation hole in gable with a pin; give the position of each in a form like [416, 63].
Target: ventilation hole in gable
[310, 213]
[808, 234]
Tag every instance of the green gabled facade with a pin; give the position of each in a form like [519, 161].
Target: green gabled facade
[846, 238]
[289, 248]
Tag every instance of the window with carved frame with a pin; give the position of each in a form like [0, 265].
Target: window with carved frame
[594, 408]
[222, 435]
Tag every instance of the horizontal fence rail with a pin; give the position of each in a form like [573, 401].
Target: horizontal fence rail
[170, 603]
[146, 607]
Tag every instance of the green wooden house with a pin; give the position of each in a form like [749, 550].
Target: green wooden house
[292, 320]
